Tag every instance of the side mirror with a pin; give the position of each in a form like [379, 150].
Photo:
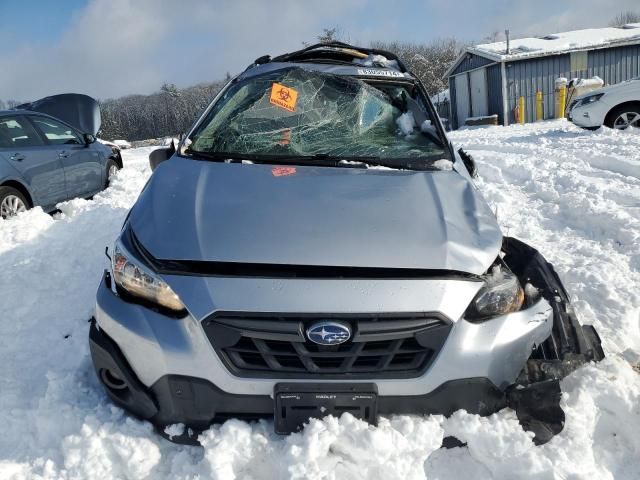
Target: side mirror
[469, 162]
[89, 139]
[159, 155]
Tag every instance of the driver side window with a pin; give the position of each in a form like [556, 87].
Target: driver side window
[55, 132]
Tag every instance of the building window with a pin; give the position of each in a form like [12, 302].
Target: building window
[578, 62]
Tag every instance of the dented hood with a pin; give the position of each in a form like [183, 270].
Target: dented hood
[80, 111]
[320, 216]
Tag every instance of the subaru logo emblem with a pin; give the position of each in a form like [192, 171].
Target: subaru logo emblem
[328, 333]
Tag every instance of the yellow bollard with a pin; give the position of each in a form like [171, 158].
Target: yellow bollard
[539, 113]
[561, 99]
[521, 110]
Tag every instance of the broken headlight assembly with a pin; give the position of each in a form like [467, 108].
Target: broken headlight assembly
[501, 294]
[140, 282]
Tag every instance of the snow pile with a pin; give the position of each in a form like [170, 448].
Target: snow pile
[443, 164]
[373, 60]
[574, 195]
[594, 82]
[559, 42]
[406, 123]
[122, 143]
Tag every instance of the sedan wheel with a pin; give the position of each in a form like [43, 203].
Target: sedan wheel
[11, 206]
[627, 119]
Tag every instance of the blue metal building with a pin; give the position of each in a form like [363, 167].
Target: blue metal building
[489, 79]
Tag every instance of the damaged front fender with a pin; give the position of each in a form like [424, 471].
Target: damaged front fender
[536, 394]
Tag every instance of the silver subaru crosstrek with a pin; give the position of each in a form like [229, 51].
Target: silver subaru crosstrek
[315, 245]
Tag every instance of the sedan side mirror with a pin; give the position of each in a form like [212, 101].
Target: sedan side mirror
[159, 155]
[469, 162]
[89, 139]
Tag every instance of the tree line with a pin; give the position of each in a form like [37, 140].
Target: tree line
[172, 110]
[168, 112]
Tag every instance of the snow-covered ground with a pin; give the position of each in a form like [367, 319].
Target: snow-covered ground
[574, 195]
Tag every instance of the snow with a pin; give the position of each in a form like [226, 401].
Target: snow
[122, 143]
[572, 194]
[443, 164]
[594, 82]
[484, 117]
[559, 42]
[406, 123]
[441, 97]
[530, 291]
[373, 60]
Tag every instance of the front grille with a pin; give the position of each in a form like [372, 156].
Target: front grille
[276, 346]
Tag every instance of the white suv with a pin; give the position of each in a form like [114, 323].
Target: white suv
[616, 106]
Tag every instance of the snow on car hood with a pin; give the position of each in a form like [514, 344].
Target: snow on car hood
[320, 216]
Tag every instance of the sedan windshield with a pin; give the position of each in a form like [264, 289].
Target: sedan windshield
[294, 113]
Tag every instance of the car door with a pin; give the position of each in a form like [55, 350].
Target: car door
[35, 163]
[83, 166]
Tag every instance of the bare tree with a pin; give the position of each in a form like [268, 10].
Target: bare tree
[328, 35]
[492, 37]
[9, 104]
[625, 17]
[166, 113]
[428, 62]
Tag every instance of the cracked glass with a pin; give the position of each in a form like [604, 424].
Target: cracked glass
[295, 112]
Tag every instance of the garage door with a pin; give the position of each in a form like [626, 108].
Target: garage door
[462, 98]
[479, 101]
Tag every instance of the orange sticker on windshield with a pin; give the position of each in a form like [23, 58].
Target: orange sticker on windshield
[283, 171]
[283, 97]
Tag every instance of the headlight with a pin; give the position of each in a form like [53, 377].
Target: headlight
[591, 99]
[500, 295]
[139, 281]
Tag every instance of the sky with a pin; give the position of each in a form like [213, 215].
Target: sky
[111, 48]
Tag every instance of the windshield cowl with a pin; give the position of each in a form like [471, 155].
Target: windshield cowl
[325, 160]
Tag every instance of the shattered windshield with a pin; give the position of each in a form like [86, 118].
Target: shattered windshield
[297, 113]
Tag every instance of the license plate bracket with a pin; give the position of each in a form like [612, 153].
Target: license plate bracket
[296, 403]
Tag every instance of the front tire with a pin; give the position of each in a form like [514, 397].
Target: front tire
[12, 202]
[112, 169]
[623, 117]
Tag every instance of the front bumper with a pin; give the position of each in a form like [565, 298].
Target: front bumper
[174, 375]
[589, 116]
[197, 403]
[156, 345]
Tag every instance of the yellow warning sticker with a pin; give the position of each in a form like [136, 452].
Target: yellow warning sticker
[283, 97]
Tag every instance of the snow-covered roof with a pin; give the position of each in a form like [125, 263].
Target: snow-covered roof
[555, 43]
[560, 42]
